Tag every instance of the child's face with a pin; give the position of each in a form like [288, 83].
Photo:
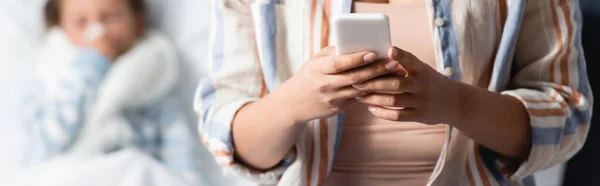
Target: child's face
[121, 25]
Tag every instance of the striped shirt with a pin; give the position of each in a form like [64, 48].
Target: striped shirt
[530, 50]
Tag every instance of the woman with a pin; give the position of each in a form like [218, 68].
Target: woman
[280, 108]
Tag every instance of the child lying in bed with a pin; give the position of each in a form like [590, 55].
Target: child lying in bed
[108, 86]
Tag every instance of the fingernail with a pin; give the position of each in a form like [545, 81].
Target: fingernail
[372, 109]
[401, 73]
[360, 97]
[391, 65]
[358, 86]
[370, 57]
[394, 51]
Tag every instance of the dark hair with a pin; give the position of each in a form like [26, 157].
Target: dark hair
[52, 11]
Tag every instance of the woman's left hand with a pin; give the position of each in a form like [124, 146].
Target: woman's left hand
[416, 93]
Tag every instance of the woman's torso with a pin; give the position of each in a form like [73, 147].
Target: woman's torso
[292, 37]
[374, 151]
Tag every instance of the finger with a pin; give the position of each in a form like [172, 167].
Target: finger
[364, 73]
[390, 84]
[349, 93]
[393, 114]
[401, 72]
[410, 63]
[345, 62]
[343, 95]
[392, 53]
[390, 100]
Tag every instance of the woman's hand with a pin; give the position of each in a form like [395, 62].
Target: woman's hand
[320, 88]
[323, 86]
[417, 93]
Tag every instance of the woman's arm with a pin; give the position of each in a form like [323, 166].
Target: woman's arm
[542, 118]
[263, 139]
[551, 82]
[60, 115]
[264, 131]
[239, 118]
[235, 80]
[496, 121]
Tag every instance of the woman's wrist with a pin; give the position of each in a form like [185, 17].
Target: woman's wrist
[496, 121]
[283, 109]
[264, 131]
[465, 104]
[460, 97]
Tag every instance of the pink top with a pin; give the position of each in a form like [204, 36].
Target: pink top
[378, 152]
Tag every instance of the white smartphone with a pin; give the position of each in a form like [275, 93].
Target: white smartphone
[362, 32]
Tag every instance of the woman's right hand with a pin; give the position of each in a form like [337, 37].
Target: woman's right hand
[323, 86]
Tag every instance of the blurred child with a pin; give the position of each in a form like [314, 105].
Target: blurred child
[108, 86]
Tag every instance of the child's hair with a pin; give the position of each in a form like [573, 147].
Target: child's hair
[52, 11]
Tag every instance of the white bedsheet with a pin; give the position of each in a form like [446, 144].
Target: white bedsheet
[124, 168]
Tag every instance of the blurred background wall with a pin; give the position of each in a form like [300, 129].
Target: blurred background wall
[20, 28]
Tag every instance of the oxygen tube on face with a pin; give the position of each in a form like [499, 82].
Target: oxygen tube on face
[93, 32]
